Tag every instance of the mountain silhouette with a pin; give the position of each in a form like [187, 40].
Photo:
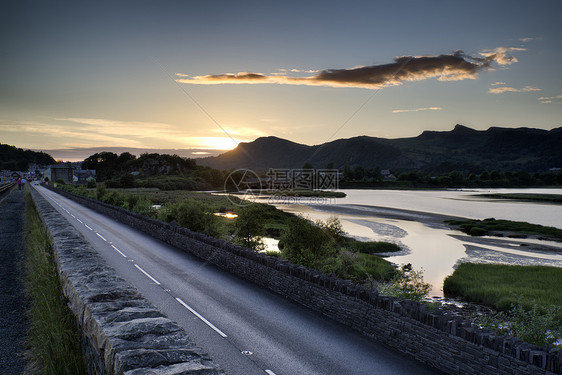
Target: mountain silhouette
[462, 149]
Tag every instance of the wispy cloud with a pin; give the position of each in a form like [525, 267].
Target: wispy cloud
[503, 89]
[451, 67]
[525, 40]
[501, 55]
[417, 109]
[498, 83]
[550, 99]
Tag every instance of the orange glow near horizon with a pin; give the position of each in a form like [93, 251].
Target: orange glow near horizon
[216, 143]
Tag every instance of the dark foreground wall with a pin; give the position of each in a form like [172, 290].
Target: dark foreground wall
[123, 333]
[437, 338]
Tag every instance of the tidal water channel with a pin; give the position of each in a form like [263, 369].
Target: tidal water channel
[413, 219]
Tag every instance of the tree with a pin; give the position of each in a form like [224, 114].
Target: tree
[359, 173]
[104, 163]
[456, 178]
[376, 173]
[347, 174]
[250, 226]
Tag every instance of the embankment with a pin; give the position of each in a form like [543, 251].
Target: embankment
[438, 338]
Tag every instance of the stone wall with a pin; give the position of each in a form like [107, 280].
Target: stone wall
[122, 333]
[437, 337]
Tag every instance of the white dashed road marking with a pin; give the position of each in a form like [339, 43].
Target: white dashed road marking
[148, 275]
[201, 317]
[119, 251]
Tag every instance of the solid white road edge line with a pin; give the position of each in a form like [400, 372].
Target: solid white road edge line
[148, 275]
[202, 318]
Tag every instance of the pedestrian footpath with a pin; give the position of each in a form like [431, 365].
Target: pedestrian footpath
[13, 302]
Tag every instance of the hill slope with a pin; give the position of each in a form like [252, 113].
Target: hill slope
[462, 149]
[17, 159]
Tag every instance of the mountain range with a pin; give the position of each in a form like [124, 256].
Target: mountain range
[461, 149]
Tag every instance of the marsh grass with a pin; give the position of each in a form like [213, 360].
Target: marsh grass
[529, 298]
[492, 226]
[53, 337]
[501, 286]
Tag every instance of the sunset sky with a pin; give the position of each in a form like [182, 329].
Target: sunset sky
[208, 74]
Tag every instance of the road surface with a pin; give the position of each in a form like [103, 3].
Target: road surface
[246, 330]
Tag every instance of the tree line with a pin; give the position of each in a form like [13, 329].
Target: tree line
[167, 172]
[416, 178]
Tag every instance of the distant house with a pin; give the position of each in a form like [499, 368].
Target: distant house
[387, 176]
[60, 171]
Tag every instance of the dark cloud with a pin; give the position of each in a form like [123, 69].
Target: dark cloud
[451, 67]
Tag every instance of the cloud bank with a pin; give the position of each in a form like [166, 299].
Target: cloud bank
[451, 67]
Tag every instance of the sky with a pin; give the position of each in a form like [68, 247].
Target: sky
[78, 76]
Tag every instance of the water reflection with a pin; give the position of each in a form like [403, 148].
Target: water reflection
[426, 243]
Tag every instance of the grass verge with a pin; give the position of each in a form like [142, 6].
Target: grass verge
[54, 338]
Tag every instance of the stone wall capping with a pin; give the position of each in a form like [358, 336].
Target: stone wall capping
[456, 346]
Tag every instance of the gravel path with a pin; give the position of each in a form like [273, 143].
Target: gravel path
[13, 303]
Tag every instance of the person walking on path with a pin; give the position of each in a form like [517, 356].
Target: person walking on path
[19, 183]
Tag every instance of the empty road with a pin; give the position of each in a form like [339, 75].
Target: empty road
[247, 330]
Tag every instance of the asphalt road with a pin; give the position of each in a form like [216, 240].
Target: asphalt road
[247, 330]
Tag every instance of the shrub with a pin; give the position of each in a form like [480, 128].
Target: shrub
[100, 191]
[250, 226]
[143, 206]
[114, 198]
[333, 227]
[191, 214]
[90, 182]
[538, 325]
[406, 283]
[305, 243]
[131, 200]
